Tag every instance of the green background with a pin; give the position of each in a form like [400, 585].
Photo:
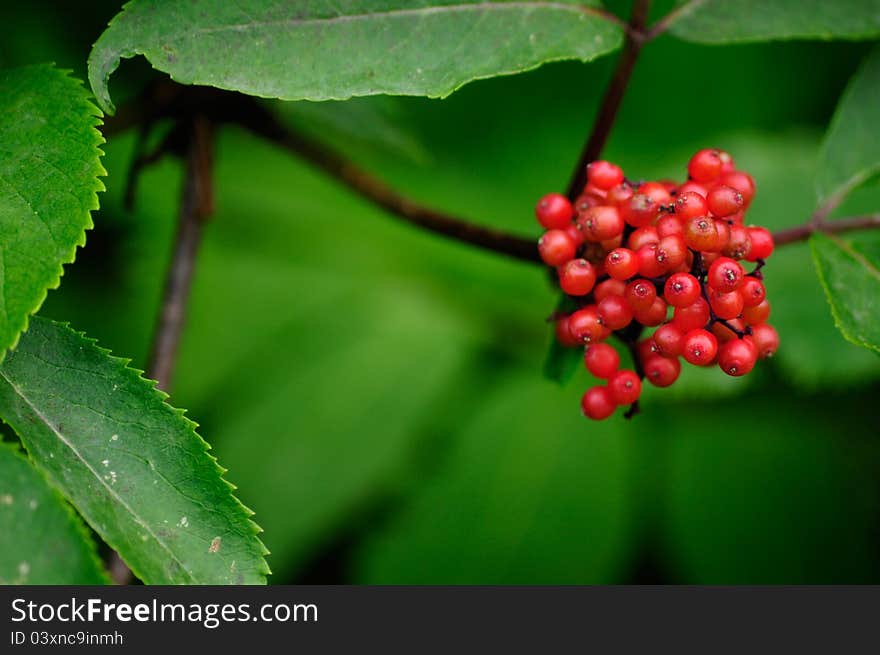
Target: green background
[376, 391]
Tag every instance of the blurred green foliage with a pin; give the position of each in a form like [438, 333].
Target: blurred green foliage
[376, 392]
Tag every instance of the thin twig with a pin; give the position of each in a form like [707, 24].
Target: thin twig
[836, 226]
[663, 24]
[613, 96]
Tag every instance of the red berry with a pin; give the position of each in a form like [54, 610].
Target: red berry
[762, 244]
[656, 192]
[661, 371]
[690, 205]
[556, 247]
[608, 288]
[615, 312]
[668, 225]
[723, 229]
[693, 187]
[693, 316]
[671, 252]
[725, 275]
[668, 339]
[739, 245]
[621, 263]
[573, 230]
[640, 294]
[726, 305]
[625, 387]
[641, 210]
[643, 236]
[757, 314]
[597, 403]
[604, 175]
[577, 277]
[564, 335]
[587, 200]
[600, 223]
[727, 163]
[601, 360]
[619, 195]
[705, 165]
[737, 356]
[554, 211]
[681, 290]
[766, 339]
[742, 182]
[585, 325]
[700, 233]
[753, 291]
[653, 315]
[645, 349]
[649, 266]
[723, 333]
[724, 200]
[699, 347]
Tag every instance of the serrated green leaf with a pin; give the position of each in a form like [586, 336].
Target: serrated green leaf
[851, 151]
[49, 169]
[315, 50]
[41, 540]
[131, 464]
[851, 279]
[732, 21]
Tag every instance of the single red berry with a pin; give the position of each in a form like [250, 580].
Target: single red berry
[705, 165]
[577, 277]
[762, 244]
[700, 233]
[587, 200]
[625, 387]
[556, 247]
[699, 347]
[661, 371]
[725, 275]
[573, 230]
[739, 245]
[693, 316]
[641, 210]
[585, 325]
[615, 312]
[757, 314]
[601, 360]
[669, 224]
[742, 182]
[753, 291]
[564, 335]
[657, 192]
[619, 195]
[668, 339]
[690, 205]
[681, 290]
[600, 223]
[643, 236]
[766, 339]
[607, 288]
[737, 356]
[669, 185]
[649, 266]
[693, 187]
[722, 227]
[671, 252]
[621, 263]
[724, 200]
[653, 315]
[727, 163]
[645, 349]
[610, 244]
[726, 305]
[604, 174]
[640, 294]
[597, 403]
[554, 211]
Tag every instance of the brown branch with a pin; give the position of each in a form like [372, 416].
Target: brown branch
[803, 232]
[663, 24]
[610, 104]
[196, 206]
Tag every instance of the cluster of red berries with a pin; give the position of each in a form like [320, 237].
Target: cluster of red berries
[626, 252]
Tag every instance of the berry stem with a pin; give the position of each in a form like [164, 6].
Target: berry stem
[805, 231]
[614, 92]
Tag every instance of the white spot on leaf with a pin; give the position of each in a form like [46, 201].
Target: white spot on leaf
[183, 522]
[215, 545]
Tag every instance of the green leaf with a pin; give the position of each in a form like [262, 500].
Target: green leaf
[49, 169]
[561, 363]
[730, 21]
[41, 540]
[851, 279]
[851, 151]
[315, 50]
[131, 464]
